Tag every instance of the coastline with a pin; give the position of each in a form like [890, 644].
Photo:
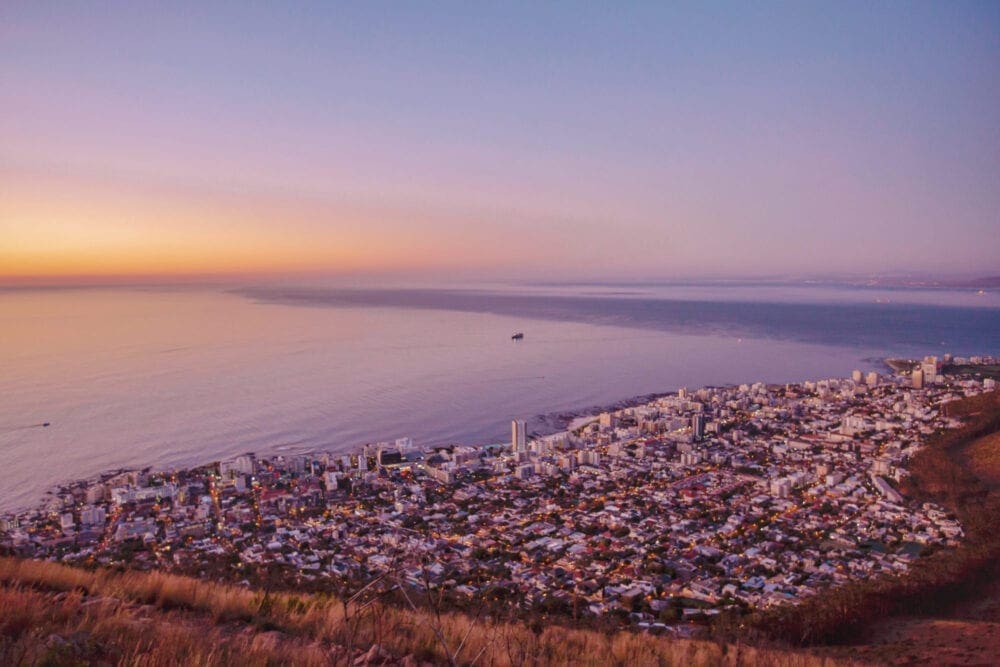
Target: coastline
[746, 497]
[557, 422]
[288, 393]
[539, 425]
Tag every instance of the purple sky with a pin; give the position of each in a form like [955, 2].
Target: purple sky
[570, 140]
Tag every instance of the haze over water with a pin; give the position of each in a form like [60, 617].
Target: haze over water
[168, 377]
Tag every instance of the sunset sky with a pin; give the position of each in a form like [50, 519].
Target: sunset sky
[503, 140]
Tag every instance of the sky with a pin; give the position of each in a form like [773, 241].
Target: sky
[558, 140]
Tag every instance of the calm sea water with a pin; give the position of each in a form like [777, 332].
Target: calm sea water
[170, 377]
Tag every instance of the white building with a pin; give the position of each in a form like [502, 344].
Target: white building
[519, 435]
[93, 516]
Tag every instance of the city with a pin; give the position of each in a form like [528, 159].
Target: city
[737, 497]
[500, 334]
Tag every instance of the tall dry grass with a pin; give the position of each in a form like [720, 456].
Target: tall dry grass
[38, 628]
[939, 473]
[158, 619]
[302, 614]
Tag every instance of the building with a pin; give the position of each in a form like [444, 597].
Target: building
[886, 490]
[918, 378]
[519, 435]
[245, 464]
[442, 475]
[388, 456]
[872, 379]
[690, 458]
[524, 471]
[930, 368]
[96, 493]
[93, 516]
[781, 488]
[698, 426]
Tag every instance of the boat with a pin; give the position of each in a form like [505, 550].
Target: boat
[46, 424]
[517, 336]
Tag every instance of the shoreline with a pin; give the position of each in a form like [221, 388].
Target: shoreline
[748, 497]
[539, 426]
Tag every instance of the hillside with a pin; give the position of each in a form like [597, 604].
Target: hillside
[946, 609]
[54, 614]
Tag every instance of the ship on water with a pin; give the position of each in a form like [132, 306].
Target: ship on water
[517, 336]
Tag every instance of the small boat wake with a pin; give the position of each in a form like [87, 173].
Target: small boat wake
[12, 429]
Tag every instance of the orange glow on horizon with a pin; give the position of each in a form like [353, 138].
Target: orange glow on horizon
[52, 229]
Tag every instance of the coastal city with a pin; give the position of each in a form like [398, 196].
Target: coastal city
[698, 501]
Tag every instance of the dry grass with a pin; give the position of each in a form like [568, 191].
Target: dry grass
[56, 614]
[933, 641]
[846, 614]
[39, 628]
[984, 458]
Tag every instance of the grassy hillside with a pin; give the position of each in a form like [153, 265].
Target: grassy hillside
[939, 473]
[55, 614]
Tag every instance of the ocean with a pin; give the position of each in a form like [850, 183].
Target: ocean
[175, 376]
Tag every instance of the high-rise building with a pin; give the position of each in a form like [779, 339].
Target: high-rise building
[698, 426]
[404, 445]
[519, 435]
[524, 471]
[92, 516]
[929, 366]
[872, 379]
[246, 463]
[918, 378]
[856, 376]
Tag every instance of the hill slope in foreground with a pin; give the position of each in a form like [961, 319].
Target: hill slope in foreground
[54, 614]
[946, 610]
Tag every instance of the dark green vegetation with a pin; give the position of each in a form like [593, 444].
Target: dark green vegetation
[973, 370]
